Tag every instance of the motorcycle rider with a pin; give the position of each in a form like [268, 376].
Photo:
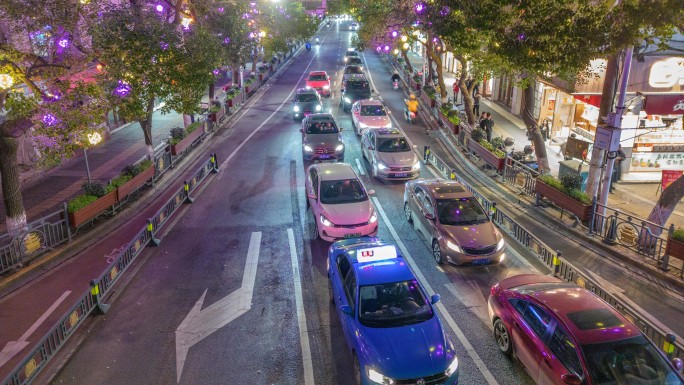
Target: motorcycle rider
[308, 46]
[411, 106]
[395, 77]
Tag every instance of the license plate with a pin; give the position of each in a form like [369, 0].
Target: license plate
[401, 175]
[353, 235]
[481, 261]
[324, 157]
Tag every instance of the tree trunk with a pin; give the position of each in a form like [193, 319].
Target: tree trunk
[11, 186]
[467, 96]
[407, 61]
[533, 132]
[212, 85]
[146, 125]
[661, 212]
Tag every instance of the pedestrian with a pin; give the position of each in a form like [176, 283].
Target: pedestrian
[481, 119]
[476, 89]
[617, 169]
[455, 89]
[476, 104]
[489, 126]
[544, 130]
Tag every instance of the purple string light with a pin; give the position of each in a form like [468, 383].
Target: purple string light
[49, 119]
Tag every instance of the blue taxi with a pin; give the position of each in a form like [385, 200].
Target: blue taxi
[388, 320]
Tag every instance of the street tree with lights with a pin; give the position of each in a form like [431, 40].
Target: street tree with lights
[39, 51]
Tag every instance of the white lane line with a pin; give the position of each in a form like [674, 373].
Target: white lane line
[249, 277]
[301, 315]
[440, 306]
[361, 170]
[287, 100]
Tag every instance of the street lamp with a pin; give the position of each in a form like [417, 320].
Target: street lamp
[93, 138]
[6, 81]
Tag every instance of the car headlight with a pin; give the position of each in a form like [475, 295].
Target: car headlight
[388, 125]
[454, 247]
[318, 107]
[452, 368]
[339, 147]
[296, 109]
[325, 221]
[378, 377]
[381, 166]
[346, 99]
[345, 60]
[501, 244]
[361, 67]
[308, 87]
[308, 148]
[326, 87]
[373, 217]
[416, 166]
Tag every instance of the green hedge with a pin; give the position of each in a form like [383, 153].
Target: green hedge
[80, 202]
[499, 154]
[678, 235]
[575, 194]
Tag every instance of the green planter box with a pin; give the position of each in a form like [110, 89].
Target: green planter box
[447, 123]
[576, 207]
[94, 209]
[674, 248]
[486, 155]
[181, 146]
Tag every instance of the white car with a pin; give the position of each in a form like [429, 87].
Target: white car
[369, 113]
[389, 154]
[339, 202]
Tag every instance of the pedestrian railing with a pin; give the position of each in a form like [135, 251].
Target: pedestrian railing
[519, 175]
[92, 300]
[559, 267]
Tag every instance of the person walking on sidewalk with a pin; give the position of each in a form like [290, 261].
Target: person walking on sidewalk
[476, 104]
[456, 89]
[481, 119]
[488, 126]
[617, 169]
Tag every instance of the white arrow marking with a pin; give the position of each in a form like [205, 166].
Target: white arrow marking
[14, 347]
[199, 324]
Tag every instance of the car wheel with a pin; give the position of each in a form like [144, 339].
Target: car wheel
[437, 252]
[357, 371]
[502, 337]
[407, 212]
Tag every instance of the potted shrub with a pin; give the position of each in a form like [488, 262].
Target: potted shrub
[95, 200]
[181, 139]
[428, 95]
[231, 96]
[491, 155]
[248, 83]
[675, 244]
[449, 117]
[565, 193]
[132, 178]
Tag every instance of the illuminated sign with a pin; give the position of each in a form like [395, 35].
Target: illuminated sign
[376, 254]
[667, 73]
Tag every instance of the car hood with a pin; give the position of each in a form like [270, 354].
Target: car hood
[322, 140]
[473, 236]
[375, 121]
[397, 159]
[348, 213]
[307, 106]
[407, 352]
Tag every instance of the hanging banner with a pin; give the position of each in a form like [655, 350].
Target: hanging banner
[670, 176]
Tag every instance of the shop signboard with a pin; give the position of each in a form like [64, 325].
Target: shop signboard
[669, 176]
[665, 104]
[656, 161]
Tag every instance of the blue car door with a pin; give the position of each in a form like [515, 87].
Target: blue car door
[338, 274]
[348, 320]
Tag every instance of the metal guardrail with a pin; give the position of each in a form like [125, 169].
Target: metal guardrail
[519, 175]
[560, 267]
[92, 300]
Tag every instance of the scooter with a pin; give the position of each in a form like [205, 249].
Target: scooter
[318, 41]
[410, 116]
[308, 46]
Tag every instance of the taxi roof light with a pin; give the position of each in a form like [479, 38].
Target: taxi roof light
[379, 253]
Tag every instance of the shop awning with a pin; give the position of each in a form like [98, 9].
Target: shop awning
[593, 99]
[664, 104]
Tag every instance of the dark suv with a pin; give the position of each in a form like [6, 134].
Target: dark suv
[354, 87]
[306, 102]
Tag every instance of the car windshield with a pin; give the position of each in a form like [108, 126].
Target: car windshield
[305, 98]
[628, 361]
[393, 145]
[353, 70]
[317, 77]
[373, 111]
[355, 60]
[342, 191]
[393, 304]
[358, 85]
[463, 211]
[322, 128]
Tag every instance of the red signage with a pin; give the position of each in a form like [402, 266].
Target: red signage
[594, 100]
[670, 176]
[367, 253]
[664, 104]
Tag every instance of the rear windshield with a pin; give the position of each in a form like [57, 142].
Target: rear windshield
[306, 98]
[318, 77]
[373, 111]
[355, 60]
[322, 128]
[353, 70]
[360, 85]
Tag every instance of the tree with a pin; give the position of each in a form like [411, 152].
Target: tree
[666, 204]
[37, 49]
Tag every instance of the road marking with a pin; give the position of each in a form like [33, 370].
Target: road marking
[361, 170]
[440, 306]
[199, 324]
[470, 294]
[287, 100]
[14, 347]
[301, 314]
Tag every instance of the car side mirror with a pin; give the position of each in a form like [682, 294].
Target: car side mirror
[311, 195]
[429, 216]
[346, 309]
[678, 364]
[371, 192]
[571, 379]
[435, 298]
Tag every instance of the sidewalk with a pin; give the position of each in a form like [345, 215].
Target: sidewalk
[633, 198]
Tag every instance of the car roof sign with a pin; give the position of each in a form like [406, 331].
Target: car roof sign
[373, 254]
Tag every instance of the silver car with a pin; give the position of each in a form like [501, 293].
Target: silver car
[456, 227]
[321, 138]
[369, 113]
[389, 154]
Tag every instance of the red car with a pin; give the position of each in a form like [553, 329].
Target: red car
[564, 334]
[320, 81]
